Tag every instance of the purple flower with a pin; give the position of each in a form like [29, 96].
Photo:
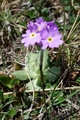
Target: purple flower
[45, 34]
[50, 38]
[52, 25]
[30, 38]
[41, 24]
[39, 20]
[37, 26]
[32, 27]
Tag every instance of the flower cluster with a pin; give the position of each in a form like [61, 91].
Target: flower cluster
[45, 34]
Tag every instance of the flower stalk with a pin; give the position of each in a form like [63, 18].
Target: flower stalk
[42, 79]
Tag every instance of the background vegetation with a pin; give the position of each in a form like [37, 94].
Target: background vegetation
[62, 92]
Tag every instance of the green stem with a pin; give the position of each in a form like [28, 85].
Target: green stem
[42, 80]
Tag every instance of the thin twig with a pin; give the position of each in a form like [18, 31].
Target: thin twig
[46, 90]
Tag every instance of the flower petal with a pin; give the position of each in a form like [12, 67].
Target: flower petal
[24, 40]
[44, 34]
[39, 20]
[44, 44]
[26, 44]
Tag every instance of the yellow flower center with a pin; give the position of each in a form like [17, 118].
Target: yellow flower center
[32, 35]
[50, 39]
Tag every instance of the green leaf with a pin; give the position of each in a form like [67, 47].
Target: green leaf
[13, 82]
[1, 107]
[55, 70]
[1, 94]
[78, 79]
[5, 80]
[45, 13]
[52, 73]
[11, 112]
[8, 82]
[32, 13]
[20, 74]
[32, 61]
[32, 64]
[33, 85]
